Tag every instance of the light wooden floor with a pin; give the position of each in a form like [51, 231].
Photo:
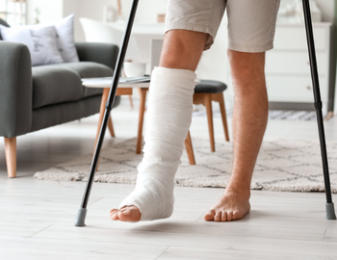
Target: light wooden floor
[36, 217]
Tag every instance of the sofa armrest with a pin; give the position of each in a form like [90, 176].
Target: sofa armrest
[103, 53]
[15, 89]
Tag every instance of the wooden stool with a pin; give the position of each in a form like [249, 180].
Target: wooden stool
[206, 92]
[142, 91]
[142, 108]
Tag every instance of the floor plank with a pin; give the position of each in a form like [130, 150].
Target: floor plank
[78, 248]
[163, 238]
[15, 255]
[184, 253]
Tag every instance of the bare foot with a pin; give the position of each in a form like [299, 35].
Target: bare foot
[127, 213]
[233, 205]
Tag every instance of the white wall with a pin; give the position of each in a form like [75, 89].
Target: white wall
[326, 6]
[74, 7]
[328, 9]
[147, 11]
[49, 10]
[52, 10]
[57, 9]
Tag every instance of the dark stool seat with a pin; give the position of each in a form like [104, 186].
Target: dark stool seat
[210, 86]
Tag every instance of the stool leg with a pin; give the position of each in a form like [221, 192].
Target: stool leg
[189, 149]
[142, 92]
[209, 110]
[330, 209]
[101, 112]
[223, 115]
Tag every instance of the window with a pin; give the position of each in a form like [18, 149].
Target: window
[13, 11]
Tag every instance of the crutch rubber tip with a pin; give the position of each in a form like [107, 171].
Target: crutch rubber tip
[330, 211]
[80, 219]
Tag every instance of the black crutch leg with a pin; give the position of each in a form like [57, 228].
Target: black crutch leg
[82, 212]
[330, 209]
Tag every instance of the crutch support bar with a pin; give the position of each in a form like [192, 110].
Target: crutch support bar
[82, 212]
[330, 209]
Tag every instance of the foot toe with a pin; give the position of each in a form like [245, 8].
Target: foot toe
[129, 213]
[235, 215]
[217, 217]
[209, 216]
[114, 215]
[224, 216]
[229, 215]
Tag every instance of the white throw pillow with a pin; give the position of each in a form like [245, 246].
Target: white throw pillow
[65, 38]
[41, 42]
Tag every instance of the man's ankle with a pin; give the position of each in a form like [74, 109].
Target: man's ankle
[239, 188]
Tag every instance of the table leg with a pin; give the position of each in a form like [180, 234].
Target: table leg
[105, 97]
[189, 149]
[142, 93]
[131, 102]
[111, 127]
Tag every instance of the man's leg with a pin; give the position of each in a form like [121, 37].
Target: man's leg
[249, 123]
[154, 190]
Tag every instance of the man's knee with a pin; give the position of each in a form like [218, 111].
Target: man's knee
[243, 63]
[247, 70]
[182, 49]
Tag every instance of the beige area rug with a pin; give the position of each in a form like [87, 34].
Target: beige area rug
[282, 165]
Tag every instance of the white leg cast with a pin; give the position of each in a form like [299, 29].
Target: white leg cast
[168, 121]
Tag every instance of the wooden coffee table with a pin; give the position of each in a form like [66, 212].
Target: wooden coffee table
[127, 89]
[122, 90]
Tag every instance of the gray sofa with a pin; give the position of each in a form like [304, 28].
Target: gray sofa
[34, 98]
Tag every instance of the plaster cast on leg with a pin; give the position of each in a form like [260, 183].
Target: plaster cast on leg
[168, 121]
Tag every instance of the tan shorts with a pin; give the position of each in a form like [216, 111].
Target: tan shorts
[251, 23]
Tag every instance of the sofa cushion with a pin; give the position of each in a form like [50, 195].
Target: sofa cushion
[53, 84]
[41, 42]
[89, 70]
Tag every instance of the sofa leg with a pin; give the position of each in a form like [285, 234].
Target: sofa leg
[10, 150]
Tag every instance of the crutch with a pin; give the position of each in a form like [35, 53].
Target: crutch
[330, 209]
[82, 212]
